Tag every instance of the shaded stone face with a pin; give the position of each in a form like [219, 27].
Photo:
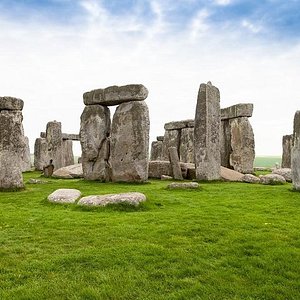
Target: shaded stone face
[67, 151]
[130, 142]
[225, 139]
[287, 144]
[295, 154]
[242, 145]
[207, 133]
[156, 150]
[25, 156]
[186, 149]
[171, 139]
[41, 157]
[95, 144]
[11, 103]
[12, 144]
[115, 95]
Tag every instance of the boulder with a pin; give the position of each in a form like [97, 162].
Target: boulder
[284, 172]
[230, 175]
[183, 185]
[64, 196]
[133, 198]
[115, 95]
[69, 172]
[272, 179]
[129, 154]
[11, 103]
[250, 178]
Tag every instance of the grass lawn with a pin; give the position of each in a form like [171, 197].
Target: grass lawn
[267, 161]
[223, 241]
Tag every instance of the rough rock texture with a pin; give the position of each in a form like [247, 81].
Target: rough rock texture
[171, 139]
[186, 148]
[237, 110]
[287, 144]
[295, 154]
[12, 144]
[160, 138]
[284, 172]
[25, 156]
[242, 145]
[73, 171]
[183, 185]
[230, 175]
[225, 140]
[70, 137]
[115, 95]
[67, 152]
[11, 103]
[95, 142]
[272, 179]
[178, 125]
[175, 165]
[207, 133]
[133, 198]
[41, 156]
[156, 150]
[37, 181]
[130, 142]
[250, 178]
[64, 196]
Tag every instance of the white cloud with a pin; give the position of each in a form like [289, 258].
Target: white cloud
[222, 2]
[254, 28]
[199, 25]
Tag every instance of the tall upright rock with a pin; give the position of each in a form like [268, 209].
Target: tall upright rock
[12, 143]
[295, 155]
[207, 133]
[25, 156]
[287, 144]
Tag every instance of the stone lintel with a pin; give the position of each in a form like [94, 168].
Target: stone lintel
[65, 136]
[11, 103]
[236, 111]
[177, 125]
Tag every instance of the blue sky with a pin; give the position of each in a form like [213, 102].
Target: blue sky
[55, 50]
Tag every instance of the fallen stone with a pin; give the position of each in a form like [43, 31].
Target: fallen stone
[250, 178]
[115, 95]
[230, 175]
[64, 196]
[236, 111]
[166, 177]
[284, 172]
[133, 198]
[272, 179]
[69, 172]
[183, 185]
[11, 103]
[37, 181]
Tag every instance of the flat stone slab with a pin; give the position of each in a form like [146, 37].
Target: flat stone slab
[272, 179]
[11, 103]
[236, 111]
[284, 172]
[64, 196]
[183, 185]
[230, 175]
[177, 125]
[115, 95]
[37, 181]
[250, 178]
[69, 172]
[133, 198]
[70, 136]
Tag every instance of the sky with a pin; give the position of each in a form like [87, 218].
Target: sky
[53, 51]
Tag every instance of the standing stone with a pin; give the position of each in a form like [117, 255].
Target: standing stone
[156, 150]
[67, 152]
[174, 160]
[186, 148]
[94, 140]
[12, 143]
[207, 133]
[225, 139]
[295, 156]
[130, 142]
[171, 139]
[242, 145]
[25, 156]
[41, 156]
[287, 144]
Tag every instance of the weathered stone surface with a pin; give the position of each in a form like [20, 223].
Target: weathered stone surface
[133, 198]
[186, 148]
[64, 196]
[207, 133]
[272, 179]
[73, 171]
[12, 144]
[165, 177]
[237, 111]
[284, 172]
[95, 142]
[242, 145]
[287, 144]
[160, 138]
[115, 95]
[37, 181]
[43, 135]
[177, 125]
[183, 185]
[171, 139]
[175, 166]
[156, 150]
[230, 175]
[41, 156]
[295, 154]
[225, 140]
[250, 178]
[70, 137]
[25, 156]
[67, 152]
[130, 142]
[11, 103]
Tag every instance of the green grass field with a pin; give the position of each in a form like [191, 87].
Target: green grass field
[223, 241]
[267, 161]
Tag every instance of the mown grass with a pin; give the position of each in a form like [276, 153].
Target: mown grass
[267, 161]
[223, 241]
